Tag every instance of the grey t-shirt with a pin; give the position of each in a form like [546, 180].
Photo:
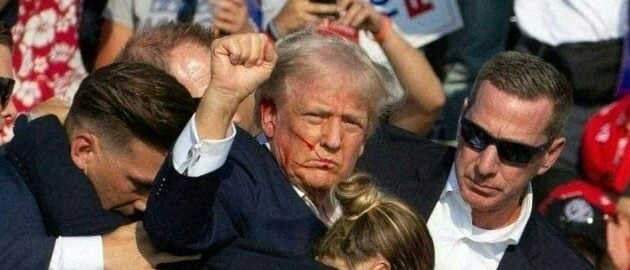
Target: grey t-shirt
[141, 14]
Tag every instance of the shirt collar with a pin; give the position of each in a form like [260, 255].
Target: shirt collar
[510, 234]
[331, 209]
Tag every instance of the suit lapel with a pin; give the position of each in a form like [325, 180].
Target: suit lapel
[513, 259]
[521, 255]
[429, 191]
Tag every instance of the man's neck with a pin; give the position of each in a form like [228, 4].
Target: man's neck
[496, 218]
[320, 199]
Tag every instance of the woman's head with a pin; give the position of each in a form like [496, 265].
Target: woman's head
[376, 232]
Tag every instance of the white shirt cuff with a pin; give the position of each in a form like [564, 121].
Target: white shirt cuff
[192, 157]
[84, 252]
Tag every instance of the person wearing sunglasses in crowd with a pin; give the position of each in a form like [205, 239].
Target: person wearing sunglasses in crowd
[478, 198]
[7, 111]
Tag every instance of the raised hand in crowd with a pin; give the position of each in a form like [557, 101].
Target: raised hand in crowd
[239, 64]
[618, 241]
[424, 95]
[230, 16]
[129, 246]
[361, 15]
[296, 14]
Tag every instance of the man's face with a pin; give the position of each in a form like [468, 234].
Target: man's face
[487, 182]
[122, 179]
[318, 133]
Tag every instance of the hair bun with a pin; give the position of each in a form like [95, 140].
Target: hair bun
[357, 195]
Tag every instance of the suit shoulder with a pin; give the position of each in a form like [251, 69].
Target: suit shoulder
[392, 146]
[553, 247]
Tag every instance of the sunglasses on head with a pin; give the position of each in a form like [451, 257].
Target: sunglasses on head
[6, 88]
[512, 152]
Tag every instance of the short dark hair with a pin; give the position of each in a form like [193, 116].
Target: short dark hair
[529, 78]
[5, 36]
[123, 101]
[153, 45]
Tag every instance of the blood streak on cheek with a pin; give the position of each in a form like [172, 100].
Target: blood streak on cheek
[311, 147]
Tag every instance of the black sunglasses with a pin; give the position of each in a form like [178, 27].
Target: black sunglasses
[512, 152]
[6, 88]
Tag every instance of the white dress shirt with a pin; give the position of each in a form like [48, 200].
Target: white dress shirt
[458, 243]
[194, 157]
[84, 252]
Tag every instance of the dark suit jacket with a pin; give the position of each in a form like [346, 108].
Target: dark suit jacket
[24, 243]
[43, 195]
[416, 170]
[248, 200]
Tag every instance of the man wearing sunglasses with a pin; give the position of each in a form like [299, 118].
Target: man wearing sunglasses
[7, 111]
[478, 198]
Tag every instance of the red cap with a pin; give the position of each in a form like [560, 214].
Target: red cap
[579, 208]
[605, 153]
[578, 188]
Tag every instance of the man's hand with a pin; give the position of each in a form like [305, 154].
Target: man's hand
[360, 14]
[618, 241]
[296, 14]
[623, 206]
[240, 63]
[54, 105]
[230, 16]
[129, 247]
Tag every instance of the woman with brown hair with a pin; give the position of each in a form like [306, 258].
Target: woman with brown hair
[376, 231]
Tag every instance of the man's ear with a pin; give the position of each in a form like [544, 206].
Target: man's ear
[380, 263]
[552, 154]
[83, 146]
[268, 117]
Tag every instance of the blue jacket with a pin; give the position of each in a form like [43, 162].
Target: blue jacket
[247, 200]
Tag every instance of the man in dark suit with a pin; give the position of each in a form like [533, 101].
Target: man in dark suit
[162, 48]
[220, 186]
[477, 198]
[114, 140]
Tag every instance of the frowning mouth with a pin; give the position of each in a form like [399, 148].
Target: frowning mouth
[483, 189]
[324, 164]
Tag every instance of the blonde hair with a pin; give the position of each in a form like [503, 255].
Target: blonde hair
[376, 225]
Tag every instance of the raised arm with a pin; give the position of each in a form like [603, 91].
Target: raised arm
[112, 40]
[185, 212]
[240, 63]
[425, 97]
[296, 14]
[231, 16]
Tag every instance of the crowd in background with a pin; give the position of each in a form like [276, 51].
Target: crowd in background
[53, 45]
